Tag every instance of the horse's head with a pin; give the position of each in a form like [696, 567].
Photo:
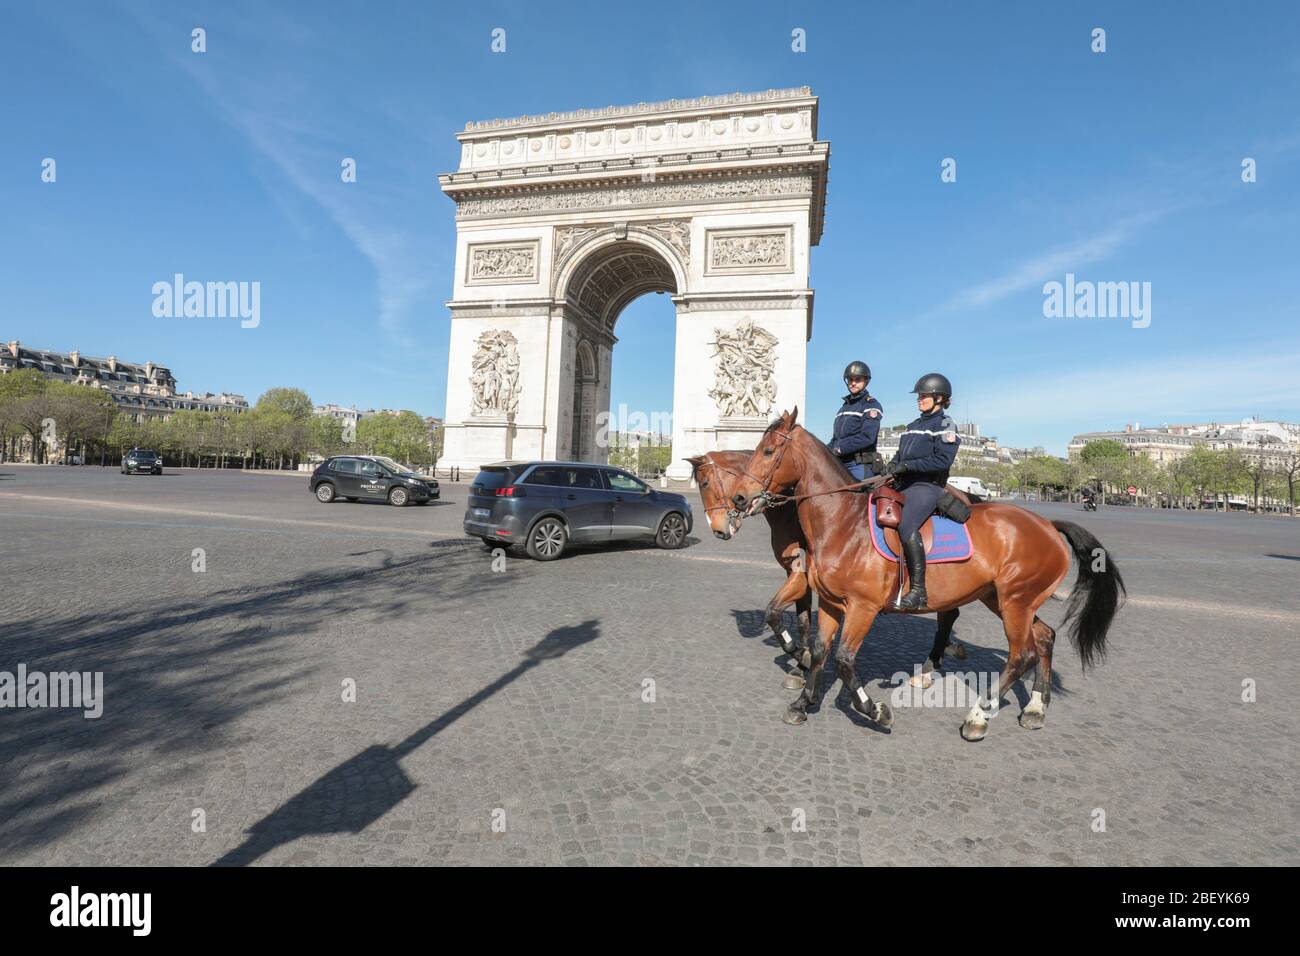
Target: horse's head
[718, 473]
[771, 468]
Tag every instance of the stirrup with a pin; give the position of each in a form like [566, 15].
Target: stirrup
[914, 600]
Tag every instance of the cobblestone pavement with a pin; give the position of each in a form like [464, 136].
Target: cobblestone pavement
[516, 697]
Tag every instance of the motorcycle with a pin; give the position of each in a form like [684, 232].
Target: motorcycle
[1089, 504]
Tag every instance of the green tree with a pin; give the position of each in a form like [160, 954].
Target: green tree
[1105, 462]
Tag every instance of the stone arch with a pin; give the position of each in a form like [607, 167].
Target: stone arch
[586, 376]
[603, 279]
[607, 246]
[563, 219]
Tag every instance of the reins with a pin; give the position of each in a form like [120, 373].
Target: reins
[770, 499]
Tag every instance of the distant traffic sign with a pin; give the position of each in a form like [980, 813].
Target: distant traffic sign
[1132, 490]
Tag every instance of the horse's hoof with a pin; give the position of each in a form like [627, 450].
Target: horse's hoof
[793, 682]
[884, 716]
[974, 731]
[793, 717]
[923, 681]
[1033, 719]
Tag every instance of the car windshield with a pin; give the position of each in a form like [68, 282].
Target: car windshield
[390, 464]
[144, 454]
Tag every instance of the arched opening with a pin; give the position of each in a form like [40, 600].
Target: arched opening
[600, 288]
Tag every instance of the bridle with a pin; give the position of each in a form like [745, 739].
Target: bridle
[769, 499]
[765, 492]
[732, 512]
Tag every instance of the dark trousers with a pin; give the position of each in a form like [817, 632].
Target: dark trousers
[922, 496]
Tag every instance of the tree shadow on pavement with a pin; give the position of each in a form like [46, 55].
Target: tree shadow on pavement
[175, 676]
[364, 788]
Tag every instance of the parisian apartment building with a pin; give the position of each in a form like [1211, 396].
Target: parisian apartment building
[143, 391]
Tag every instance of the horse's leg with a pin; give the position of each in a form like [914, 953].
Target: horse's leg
[1035, 713]
[935, 661]
[1018, 623]
[803, 611]
[794, 589]
[819, 648]
[857, 622]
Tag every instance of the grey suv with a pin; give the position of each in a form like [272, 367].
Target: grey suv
[543, 506]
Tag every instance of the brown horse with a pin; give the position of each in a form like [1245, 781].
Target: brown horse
[1019, 560]
[719, 474]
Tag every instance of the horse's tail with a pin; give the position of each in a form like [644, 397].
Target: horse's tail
[1098, 593]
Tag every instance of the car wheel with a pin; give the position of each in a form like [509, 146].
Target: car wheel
[398, 497]
[324, 492]
[672, 532]
[547, 539]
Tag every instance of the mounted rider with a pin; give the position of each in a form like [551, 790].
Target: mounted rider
[857, 424]
[926, 452]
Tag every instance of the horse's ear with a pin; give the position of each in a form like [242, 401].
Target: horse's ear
[794, 417]
[695, 460]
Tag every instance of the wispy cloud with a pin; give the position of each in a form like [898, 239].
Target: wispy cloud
[1052, 264]
[281, 120]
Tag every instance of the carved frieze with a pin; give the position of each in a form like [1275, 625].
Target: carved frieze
[640, 193]
[676, 232]
[744, 364]
[494, 262]
[749, 250]
[494, 381]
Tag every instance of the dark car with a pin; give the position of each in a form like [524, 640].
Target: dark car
[543, 506]
[141, 460]
[371, 478]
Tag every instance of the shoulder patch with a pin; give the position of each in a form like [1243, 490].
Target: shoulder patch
[873, 413]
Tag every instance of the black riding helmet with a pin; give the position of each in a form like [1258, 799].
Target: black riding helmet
[854, 369]
[932, 383]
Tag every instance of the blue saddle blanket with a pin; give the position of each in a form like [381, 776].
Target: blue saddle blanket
[951, 541]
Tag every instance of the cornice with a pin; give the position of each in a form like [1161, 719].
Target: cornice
[702, 104]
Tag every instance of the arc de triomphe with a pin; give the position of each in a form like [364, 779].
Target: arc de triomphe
[562, 220]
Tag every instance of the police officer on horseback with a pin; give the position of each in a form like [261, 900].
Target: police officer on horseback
[926, 452]
[857, 424]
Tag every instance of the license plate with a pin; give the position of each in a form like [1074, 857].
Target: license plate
[481, 512]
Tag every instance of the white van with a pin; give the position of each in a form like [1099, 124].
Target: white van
[972, 486]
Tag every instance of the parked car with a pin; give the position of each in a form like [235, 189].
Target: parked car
[972, 486]
[542, 507]
[141, 460]
[371, 478]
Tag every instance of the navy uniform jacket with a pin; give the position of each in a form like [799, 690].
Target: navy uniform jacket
[856, 426]
[927, 449]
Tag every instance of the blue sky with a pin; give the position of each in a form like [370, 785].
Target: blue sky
[1121, 166]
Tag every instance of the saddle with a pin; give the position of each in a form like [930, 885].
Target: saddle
[954, 504]
[944, 540]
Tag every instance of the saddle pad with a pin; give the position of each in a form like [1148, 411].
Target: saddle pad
[945, 540]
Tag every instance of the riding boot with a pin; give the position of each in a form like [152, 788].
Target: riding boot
[914, 553]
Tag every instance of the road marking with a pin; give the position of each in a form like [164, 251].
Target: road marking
[191, 513]
[1151, 601]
